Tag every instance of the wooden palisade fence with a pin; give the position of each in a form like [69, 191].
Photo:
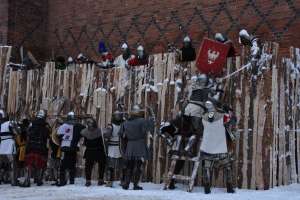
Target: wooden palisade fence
[268, 143]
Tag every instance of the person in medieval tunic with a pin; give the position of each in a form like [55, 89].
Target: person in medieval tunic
[255, 49]
[187, 52]
[37, 149]
[106, 57]
[21, 140]
[122, 60]
[140, 59]
[8, 169]
[69, 134]
[114, 153]
[135, 131]
[215, 146]
[95, 151]
[53, 165]
[178, 133]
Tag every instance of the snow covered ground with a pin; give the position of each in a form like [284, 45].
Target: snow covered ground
[150, 192]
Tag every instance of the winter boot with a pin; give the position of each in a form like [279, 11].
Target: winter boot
[100, 182]
[26, 183]
[62, 180]
[172, 185]
[39, 178]
[88, 183]
[229, 188]
[137, 187]
[207, 179]
[72, 176]
[229, 181]
[125, 186]
[109, 184]
[207, 189]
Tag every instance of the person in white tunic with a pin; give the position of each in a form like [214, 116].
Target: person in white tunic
[114, 154]
[8, 169]
[214, 146]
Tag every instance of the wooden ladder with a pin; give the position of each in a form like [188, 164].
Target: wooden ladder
[191, 179]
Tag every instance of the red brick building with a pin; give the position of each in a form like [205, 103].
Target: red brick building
[68, 27]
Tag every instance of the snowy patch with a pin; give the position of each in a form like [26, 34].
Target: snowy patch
[150, 192]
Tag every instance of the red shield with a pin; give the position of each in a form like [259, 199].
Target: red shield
[212, 57]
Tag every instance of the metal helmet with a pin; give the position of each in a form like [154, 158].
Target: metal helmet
[41, 114]
[124, 46]
[117, 117]
[140, 51]
[187, 39]
[209, 106]
[71, 115]
[244, 37]
[202, 80]
[220, 37]
[136, 111]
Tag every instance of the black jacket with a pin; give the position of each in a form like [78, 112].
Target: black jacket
[93, 141]
[37, 137]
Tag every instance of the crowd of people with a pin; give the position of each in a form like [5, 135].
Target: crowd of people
[52, 153]
[34, 149]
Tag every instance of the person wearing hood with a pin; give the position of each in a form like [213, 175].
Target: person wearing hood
[135, 131]
[188, 53]
[122, 60]
[140, 59]
[36, 148]
[69, 134]
[95, 151]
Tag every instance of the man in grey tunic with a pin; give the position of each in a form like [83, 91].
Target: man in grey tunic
[135, 131]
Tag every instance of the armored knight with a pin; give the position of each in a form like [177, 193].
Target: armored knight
[255, 48]
[215, 146]
[179, 135]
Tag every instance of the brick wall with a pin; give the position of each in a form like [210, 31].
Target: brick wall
[68, 27]
[3, 21]
[27, 26]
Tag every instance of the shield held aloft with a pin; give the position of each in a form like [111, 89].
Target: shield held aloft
[212, 57]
